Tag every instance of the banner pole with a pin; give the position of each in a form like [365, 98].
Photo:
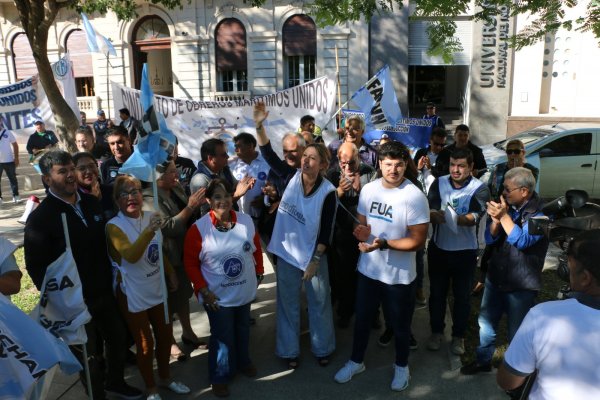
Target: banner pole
[339, 89]
[86, 365]
[107, 84]
[163, 282]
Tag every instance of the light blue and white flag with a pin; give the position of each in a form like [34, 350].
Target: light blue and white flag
[63, 74]
[61, 309]
[377, 100]
[155, 142]
[95, 41]
[27, 352]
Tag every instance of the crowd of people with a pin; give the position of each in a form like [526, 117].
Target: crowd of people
[350, 223]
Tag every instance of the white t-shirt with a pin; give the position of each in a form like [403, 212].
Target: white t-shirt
[258, 169]
[6, 151]
[561, 339]
[390, 212]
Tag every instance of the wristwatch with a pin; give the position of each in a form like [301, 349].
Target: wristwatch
[384, 244]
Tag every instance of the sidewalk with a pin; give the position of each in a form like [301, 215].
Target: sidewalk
[435, 375]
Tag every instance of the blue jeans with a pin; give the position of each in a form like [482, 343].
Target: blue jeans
[398, 303]
[229, 340]
[11, 173]
[457, 267]
[320, 317]
[495, 303]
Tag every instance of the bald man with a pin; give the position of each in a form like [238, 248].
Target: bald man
[348, 176]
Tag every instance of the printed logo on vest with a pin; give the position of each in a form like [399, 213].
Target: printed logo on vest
[152, 254]
[232, 266]
[262, 176]
[247, 246]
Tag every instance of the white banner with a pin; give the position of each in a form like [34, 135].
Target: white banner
[61, 309]
[195, 121]
[23, 103]
[65, 79]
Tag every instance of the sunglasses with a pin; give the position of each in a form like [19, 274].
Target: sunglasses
[513, 151]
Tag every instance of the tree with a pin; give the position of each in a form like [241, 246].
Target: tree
[37, 16]
[549, 16]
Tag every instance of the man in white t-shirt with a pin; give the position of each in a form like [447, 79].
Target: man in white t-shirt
[9, 160]
[394, 218]
[249, 162]
[10, 275]
[561, 339]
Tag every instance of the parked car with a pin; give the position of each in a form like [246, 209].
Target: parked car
[566, 154]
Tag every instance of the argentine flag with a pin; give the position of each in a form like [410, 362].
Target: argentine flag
[156, 141]
[95, 41]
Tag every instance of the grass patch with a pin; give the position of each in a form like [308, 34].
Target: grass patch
[29, 296]
[551, 283]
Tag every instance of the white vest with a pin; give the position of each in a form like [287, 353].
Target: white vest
[466, 236]
[140, 281]
[298, 222]
[227, 261]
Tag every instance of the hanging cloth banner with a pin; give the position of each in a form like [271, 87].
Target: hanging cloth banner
[23, 103]
[195, 121]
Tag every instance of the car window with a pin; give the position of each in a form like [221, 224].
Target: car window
[578, 144]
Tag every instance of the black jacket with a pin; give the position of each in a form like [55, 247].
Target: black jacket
[512, 269]
[45, 242]
[442, 165]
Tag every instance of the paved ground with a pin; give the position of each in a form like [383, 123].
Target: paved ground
[434, 374]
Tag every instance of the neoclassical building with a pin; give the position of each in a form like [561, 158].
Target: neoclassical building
[211, 49]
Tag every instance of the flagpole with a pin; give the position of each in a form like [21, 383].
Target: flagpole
[339, 89]
[163, 282]
[107, 84]
[86, 365]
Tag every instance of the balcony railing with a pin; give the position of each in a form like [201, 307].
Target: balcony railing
[230, 96]
[89, 105]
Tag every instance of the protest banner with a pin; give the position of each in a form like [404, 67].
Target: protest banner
[413, 132]
[23, 103]
[195, 121]
[27, 352]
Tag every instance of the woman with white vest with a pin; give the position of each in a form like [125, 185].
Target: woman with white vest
[223, 259]
[302, 234]
[133, 249]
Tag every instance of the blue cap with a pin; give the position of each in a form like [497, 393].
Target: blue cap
[100, 112]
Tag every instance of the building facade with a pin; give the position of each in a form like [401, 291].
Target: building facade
[208, 50]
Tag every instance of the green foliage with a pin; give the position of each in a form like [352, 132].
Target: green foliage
[124, 9]
[547, 16]
[29, 296]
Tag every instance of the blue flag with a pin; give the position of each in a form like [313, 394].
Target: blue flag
[27, 352]
[155, 143]
[377, 100]
[95, 41]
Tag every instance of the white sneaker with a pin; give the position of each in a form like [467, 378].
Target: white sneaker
[16, 199]
[154, 396]
[348, 371]
[435, 341]
[401, 378]
[458, 346]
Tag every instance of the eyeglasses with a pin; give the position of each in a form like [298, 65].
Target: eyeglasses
[125, 195]
[513, 151]
[345, 164]
[507, 190]
[88, 167]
